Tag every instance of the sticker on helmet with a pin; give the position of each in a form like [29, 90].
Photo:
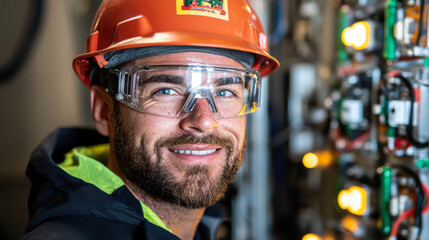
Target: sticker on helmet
[207, 8]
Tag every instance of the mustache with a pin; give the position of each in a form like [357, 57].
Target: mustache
[192, 139]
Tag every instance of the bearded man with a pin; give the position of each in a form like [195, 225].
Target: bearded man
[171, 84]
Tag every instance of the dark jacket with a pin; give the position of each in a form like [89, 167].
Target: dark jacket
[65, 207]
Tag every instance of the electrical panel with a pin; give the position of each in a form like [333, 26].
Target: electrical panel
[380, 120]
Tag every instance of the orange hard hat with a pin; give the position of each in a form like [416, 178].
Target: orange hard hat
[124, 24]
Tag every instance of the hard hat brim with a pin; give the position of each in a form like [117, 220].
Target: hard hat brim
[264, 62]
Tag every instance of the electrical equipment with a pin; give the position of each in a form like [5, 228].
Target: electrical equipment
[353, 124]
[410, 28]
[386, 114]
[403, 131]
[354, 199]
[311, 236]
[352, 109]
[402, 202]
[361, 35]
[310, 160]
[378, 127]
[317, 159]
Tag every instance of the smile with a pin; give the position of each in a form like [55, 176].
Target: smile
[195, 152]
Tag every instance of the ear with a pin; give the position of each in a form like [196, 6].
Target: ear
[101, 108]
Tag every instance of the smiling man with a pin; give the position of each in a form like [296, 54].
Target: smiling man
[171, 83]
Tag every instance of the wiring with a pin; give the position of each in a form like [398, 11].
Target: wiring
[410, 127]
[409, 213]
[421, 21]
[421, 191]
[350, 144]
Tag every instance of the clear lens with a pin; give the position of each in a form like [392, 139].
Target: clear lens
[172, 90]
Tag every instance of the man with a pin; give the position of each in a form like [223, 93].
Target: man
[171, 84]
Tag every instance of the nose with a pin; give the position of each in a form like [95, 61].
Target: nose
[200, 119]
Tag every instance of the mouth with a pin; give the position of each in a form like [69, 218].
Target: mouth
[195, 152]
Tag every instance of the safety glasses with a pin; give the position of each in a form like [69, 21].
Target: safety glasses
[173, 90]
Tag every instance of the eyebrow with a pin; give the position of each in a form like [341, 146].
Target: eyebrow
[229, 80]
[164, 78]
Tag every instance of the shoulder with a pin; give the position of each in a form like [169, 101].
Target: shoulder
[84, 227]
[94, 228]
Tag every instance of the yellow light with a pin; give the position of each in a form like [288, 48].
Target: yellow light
[357, 36]
[347, 36]
[311, 236]
[325, 158]
[310, 160]
[344, 199]
[353, 199]
[358, 203]
[350, 223]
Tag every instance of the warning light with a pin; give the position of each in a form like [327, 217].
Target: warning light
[310, 160]
[311, 236]
[344, 199]
[357, 36]
[353, 199]
[358, 203]
[317, 159]
[325, 158]
[350, 223]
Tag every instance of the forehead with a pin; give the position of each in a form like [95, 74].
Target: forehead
[186, 58]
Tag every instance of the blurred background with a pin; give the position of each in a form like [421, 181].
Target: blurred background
[339, 149]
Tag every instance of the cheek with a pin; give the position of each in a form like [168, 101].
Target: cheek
[151, 127]
[237, 127]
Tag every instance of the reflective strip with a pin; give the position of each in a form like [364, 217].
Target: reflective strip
[89, 165]
[153, 218]
[81, 163]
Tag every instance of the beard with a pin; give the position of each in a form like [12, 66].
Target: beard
[196, 188]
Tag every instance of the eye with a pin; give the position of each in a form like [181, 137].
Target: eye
[166, 91]
[224, 93]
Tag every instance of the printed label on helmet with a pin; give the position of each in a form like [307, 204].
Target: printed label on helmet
[207, 8]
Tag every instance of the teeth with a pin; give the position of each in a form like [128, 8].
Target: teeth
[193, 152]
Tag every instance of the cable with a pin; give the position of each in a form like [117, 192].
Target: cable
[353, 144]
[410, 127]
[402, 217]
[409, 213]
[426, 191]
[26, 43]
[421, 21]
[421, 192]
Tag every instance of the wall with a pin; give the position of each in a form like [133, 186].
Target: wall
[42, 96]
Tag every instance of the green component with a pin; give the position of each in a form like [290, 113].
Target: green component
[390, 20]
[426, 62]
[385, 198]
[391, 132]
[383, 107]
[343, 22]
[423, 163]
